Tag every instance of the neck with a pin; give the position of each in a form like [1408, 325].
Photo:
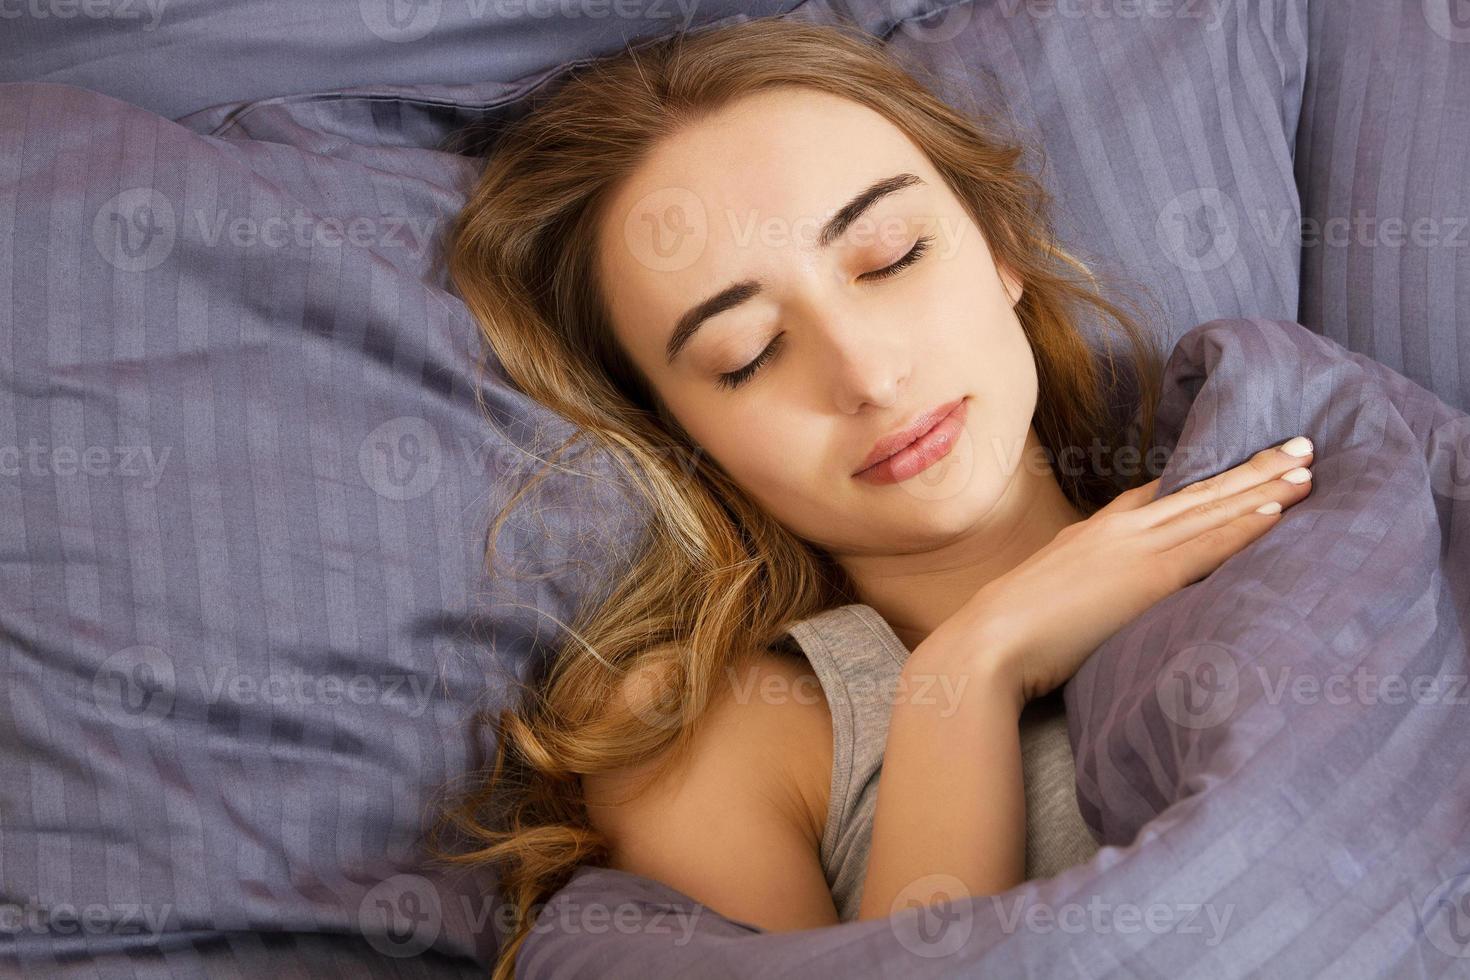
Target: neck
[916, 592]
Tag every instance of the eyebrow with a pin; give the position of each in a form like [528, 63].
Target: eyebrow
[737, 293]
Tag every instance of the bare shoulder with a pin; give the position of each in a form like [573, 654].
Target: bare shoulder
[782, 706]
[737, 822]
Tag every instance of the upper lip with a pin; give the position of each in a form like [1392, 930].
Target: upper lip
[902, 438]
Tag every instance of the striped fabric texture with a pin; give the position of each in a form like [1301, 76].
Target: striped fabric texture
[245, 486]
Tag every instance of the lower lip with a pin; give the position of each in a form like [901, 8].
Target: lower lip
[922, 453]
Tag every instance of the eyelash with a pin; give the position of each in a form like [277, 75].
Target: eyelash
[735, 379]
[914, 254]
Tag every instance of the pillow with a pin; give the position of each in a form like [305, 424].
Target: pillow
[174, 57]
[1383, 160]
[242, 515]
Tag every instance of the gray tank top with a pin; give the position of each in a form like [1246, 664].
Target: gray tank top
[857, 657]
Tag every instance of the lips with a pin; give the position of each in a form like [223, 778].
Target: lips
[896, 442]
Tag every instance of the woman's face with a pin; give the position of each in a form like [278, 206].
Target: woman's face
[744, 197]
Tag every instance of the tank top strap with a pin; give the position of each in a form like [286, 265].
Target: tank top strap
[858, 660]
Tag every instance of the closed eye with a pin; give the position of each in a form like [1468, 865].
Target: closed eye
[734, 379]
[910, 257]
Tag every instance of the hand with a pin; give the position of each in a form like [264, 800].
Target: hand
[1035, 625]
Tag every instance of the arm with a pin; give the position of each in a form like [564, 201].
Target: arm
[950, 797]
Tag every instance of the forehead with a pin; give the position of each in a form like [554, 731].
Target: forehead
[737, 194]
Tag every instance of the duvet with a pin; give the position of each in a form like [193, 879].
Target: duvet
[1271, 757]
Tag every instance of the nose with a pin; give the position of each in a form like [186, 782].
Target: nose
[864, 357]
[861, 353]
[877, 389]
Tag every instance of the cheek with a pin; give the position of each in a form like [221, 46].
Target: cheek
[776, 464]
[770, 457]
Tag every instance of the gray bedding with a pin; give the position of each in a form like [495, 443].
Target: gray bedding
[244, 485]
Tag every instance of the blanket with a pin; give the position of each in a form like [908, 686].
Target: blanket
[1270, 756]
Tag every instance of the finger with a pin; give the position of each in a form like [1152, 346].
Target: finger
[1133, 498]
[1268, 464]
[1215, 513]
[1202, 554]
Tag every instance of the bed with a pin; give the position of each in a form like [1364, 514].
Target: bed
[244, 615]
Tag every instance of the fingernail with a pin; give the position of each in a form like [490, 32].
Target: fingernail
[1299, 446]
[1299, 475]
[1269, 507]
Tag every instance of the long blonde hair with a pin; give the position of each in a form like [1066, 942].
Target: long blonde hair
[714, 580]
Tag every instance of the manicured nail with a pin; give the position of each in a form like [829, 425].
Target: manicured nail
[1299, 475]
[1299, 446]
[1269, 507]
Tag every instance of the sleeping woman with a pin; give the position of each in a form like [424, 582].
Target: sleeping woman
[821, 317]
